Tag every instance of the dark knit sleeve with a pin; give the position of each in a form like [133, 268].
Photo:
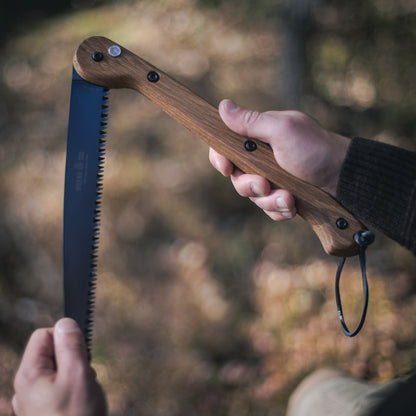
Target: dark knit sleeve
[378, 185]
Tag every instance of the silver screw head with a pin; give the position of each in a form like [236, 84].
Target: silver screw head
[114, 51]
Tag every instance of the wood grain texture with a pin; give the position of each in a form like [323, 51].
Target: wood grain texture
[130, 71]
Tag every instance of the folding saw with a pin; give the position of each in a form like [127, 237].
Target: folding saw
[101, 64]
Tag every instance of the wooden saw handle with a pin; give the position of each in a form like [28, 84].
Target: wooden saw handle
[119, 68]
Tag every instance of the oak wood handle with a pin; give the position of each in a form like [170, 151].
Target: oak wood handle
[127, 70]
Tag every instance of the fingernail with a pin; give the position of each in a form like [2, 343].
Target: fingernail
[286, 214]
[281, 203]
[255, 190]
[283, 208]
[231, 106]
[66, 325]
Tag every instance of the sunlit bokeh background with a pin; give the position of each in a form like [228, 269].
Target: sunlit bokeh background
[204, 305]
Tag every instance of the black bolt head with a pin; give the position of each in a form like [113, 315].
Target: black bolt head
[97, 56]
[342, 223]
[153, 76]
[250, 146]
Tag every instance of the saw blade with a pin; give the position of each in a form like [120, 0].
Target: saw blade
[82, 200]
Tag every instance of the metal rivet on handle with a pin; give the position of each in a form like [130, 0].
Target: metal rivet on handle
[153, 76]
[342, 223]
[114, 51]
[250, 146]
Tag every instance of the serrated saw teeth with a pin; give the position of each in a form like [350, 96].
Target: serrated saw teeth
[89, 323]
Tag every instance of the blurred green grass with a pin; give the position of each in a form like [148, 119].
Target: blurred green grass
[204, 306]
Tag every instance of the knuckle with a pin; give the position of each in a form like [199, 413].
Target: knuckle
[15, 404]
[293, 119]
[243, 186]
[251, 117]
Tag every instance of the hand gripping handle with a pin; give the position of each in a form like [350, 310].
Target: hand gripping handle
[105, 63]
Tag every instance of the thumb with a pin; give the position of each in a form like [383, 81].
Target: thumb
[70, 349]
[246, 122]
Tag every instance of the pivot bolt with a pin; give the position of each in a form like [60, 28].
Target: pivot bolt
[97, 56]
[114, 51]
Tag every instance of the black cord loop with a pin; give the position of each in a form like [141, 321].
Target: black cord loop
[363, 238]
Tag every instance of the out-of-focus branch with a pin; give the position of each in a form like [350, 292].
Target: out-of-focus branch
[297, 21]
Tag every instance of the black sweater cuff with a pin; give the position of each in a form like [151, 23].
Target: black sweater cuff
[378, 185]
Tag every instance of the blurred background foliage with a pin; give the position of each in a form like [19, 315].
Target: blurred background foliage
[204, 305]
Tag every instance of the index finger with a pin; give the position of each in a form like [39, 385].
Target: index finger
[221, 163]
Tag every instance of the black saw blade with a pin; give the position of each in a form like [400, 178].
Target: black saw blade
[82, 201]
